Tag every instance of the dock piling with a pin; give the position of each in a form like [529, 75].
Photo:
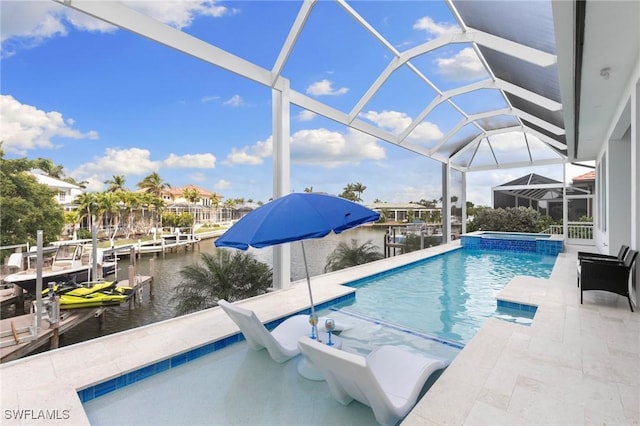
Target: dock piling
[152, 273]
[132, 275]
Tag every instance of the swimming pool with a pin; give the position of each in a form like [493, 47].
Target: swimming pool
[448, 296]
[220, 383]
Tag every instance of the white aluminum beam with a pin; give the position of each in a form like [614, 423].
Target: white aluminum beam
[485, 134]
[466, 121]
[533, 97]
[294, 33]
[121, 16]
[538, 122]
[516, 165]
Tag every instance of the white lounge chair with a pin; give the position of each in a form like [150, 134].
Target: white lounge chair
[388, 380]
[282, 342]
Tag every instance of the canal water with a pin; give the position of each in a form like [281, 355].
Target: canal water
[167, 277]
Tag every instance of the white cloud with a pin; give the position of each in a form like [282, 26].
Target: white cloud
[24, 127]
[95, 182]
[234, 101]
[425, 132]
[222, 184]
[463, 66]
[209, 99]
[396, 122]
[306, 115]
[263, 148]
[392, 121]
[26, 24]
[31, 22]
[195, 161]
[436, 29]
[325, 88]
[320, 147]
[132, 161]
[180, 14]
[328, 148]
[243, 156]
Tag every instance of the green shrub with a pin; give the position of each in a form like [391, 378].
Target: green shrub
[511, 219]
[83, 234]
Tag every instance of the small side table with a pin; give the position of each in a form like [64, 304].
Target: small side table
[306, 368]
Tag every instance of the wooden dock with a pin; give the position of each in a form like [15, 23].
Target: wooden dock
[163, 245]
[11, 296]
[167, 243]
[18, 339]
[138, 283]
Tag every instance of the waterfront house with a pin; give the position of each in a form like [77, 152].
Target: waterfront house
[206, 207]
[66, 192]
[570, 72]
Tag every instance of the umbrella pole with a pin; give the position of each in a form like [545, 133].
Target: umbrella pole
[306, 269]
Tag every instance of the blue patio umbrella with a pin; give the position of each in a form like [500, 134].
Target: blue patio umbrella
[296, 217]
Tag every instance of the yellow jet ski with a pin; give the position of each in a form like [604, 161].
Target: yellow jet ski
[90, 295]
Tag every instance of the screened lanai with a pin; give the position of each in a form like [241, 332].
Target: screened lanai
[541, 193]
[480, 91]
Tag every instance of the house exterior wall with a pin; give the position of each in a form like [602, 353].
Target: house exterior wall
[619, 206]
[617, 211]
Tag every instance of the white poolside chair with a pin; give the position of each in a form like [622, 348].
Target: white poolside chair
[388, 380]
[282, 342]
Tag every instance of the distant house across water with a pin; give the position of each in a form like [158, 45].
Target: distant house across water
[66, 192]
[207, 206]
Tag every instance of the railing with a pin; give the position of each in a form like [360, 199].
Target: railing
[575, 230]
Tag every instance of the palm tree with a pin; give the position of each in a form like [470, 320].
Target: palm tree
[47, 166]
[109, 208]
[345, 256]
[153, 184]
[82, 184]
[72, 218]
[230, 203]
[358, 188]
[192, 195]
[87, 203]
[226, 275]
[349, 193]
[116, 183]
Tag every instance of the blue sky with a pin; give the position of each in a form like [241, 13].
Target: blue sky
[103, 102]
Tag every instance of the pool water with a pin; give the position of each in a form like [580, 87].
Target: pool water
[448, 296]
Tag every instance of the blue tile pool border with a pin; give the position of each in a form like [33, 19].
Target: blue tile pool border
[425, 336]
[543, 245]
[517, 306]
[103, 388]
[368, 278]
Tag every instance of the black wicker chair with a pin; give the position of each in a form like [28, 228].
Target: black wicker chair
[621, 253]
[588, 255]
[607, 275]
